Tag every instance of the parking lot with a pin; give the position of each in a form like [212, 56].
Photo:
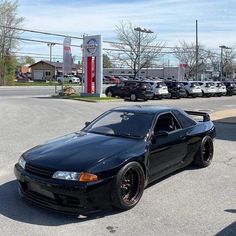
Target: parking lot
[189, 202]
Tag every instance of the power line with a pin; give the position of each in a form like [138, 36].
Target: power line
[63, 35]
[40, 32]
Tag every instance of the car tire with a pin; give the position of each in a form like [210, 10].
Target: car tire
[110, 94]
[133, 97]
[205, 153]
[128, 186]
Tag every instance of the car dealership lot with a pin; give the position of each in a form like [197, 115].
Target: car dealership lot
[189, 202]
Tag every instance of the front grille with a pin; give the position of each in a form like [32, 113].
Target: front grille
[66, 203]
[46, 173]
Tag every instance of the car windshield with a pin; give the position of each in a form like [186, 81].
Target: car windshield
[122, 123]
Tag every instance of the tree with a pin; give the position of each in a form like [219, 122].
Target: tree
[186, 54]
[106, 61]
[228, 62]
[9, 20]
[135, 46]
[26, 60]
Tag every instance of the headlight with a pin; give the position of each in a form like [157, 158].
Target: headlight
[75, 176]
[66, 175]
[22, 162]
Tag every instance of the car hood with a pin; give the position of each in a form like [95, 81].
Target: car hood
[78, 151]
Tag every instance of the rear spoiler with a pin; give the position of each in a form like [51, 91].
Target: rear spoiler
[206, 116]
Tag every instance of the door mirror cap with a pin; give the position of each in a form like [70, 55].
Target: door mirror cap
[161, 133]
[87, 123]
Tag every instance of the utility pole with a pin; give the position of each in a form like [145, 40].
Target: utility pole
[222, 47]
[50, 45]
[196, 72]
[139, 30]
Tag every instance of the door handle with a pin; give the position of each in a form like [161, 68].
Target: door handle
[183, 137]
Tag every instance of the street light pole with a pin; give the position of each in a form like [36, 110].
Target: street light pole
[50, 45]
[139, 30]
[222, 47]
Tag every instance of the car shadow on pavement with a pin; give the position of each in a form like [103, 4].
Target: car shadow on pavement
[14, 207]
[229, 230]
[225, 131]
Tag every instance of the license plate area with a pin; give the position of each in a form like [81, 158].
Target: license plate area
[38, 189]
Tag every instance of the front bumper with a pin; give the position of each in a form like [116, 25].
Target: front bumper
[61, 195]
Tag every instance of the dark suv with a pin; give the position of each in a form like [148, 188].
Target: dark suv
[114, 90]
[132, 89]
[176, 89]
[137, 90]
[230, 87]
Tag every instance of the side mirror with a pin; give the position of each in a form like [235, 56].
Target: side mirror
[87, 123]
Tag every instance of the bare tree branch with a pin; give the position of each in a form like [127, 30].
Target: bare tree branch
[149, 47]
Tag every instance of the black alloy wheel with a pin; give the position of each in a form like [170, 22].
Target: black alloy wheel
[133, 97]
[205, 153]
[128, 186]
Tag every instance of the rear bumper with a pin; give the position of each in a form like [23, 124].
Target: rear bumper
[63, 196]
[180, 94]
[195, 94]
[145, 95]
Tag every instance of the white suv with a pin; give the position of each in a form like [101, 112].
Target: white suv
[220, 88]
[159, 89]
[208, 88]
[68, 79]
[192, 88]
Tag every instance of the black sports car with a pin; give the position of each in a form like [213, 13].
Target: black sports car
[112, 159]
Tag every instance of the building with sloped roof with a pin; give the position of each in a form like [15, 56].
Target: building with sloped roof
[46, 70]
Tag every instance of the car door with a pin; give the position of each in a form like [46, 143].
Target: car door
[117, 89]
[169, 146]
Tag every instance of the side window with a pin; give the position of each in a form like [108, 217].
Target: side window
[166, 122]
[184, 120]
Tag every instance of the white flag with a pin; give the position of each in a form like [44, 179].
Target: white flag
[67, 58]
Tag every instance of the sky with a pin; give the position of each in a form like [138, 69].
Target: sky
[172, 20]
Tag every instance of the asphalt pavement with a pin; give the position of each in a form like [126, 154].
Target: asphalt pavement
[189, 202]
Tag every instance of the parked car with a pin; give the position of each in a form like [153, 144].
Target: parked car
[114, 90]
[160, 89]
[175, 89]
[208, 88]
[230, 87]
[68, 79]
[108, 79]
[111, 160]
[192, 88]
[220, 88]
[136, 89]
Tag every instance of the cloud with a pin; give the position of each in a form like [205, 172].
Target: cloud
[173, 20]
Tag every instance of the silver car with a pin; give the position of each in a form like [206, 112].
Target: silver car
[220, 88]
[208, 88]
[192, 88]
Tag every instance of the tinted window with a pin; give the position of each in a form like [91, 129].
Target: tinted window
[166, 122]
[122, 123]
[183, 119]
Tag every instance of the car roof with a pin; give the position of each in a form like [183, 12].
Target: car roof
[145, 109]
